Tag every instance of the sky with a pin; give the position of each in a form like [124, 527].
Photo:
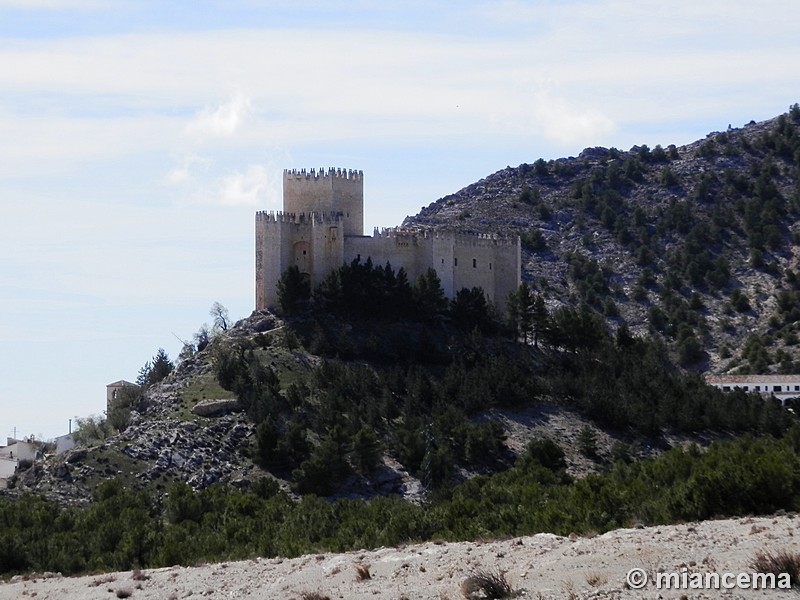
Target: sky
[139, 138]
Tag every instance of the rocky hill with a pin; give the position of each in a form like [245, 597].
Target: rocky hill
[698, 243]
[695, 245]
[187, 428]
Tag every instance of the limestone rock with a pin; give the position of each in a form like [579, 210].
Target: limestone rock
[209, 408]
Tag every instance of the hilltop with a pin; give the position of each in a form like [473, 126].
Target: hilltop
[696, 243]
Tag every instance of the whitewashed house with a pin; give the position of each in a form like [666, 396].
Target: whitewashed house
[783, 387]
[7, 468]
[12, 454]
[64, 443]
[20, 449]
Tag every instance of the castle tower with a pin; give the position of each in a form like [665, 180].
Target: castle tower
[334, 191]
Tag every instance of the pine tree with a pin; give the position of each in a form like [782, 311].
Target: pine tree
[294, 290]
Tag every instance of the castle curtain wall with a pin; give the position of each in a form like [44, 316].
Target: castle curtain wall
[407, 251]
[473, 264]
[327, 242]
[443, 259]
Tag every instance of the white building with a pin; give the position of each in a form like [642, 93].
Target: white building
[11, 454]
[64, 443]
[7, 468]
[783, 387]
[19, 450]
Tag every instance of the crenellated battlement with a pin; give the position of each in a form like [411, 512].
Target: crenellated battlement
[315, 217]
[485, 239]
[331, 173]
[463, 238]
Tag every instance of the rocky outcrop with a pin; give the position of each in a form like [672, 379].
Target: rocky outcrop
[199, 455]
[210, 408]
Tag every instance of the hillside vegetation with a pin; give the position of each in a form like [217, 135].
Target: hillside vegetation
[336, 423]
[697, 244]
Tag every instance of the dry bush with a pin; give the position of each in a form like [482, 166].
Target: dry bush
[124, 593]
[362, 572]
[569, 587]
[594, 579]
[490, 584]
[137, 575]
[102, 580]
[779, 561]
[314, 596]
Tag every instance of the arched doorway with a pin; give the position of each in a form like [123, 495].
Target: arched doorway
[302, 257]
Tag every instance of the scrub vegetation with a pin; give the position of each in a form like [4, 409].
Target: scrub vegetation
[421, 407]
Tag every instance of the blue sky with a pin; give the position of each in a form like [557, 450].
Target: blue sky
[137, 140]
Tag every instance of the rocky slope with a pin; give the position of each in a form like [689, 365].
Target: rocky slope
[692, 242]
[190, 429]
[169, 440]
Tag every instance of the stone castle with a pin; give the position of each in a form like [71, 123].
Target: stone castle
[322, 226]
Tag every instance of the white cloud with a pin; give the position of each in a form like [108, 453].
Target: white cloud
[186, 171]
[47, 144]
[566, 124]
[249, 187]
[604, 64]
[222, 121]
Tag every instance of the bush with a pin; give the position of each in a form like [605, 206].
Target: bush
[546, 453]
[487, 584]
[533, 240]
[587, 442]
[739, 301]
[690, 351]
[777, 562]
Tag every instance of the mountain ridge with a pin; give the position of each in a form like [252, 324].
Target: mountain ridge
[692, 242]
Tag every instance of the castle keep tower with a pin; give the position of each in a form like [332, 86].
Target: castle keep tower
[322, 225]
[337, 191]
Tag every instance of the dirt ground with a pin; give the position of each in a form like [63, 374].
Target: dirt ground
[542, 566]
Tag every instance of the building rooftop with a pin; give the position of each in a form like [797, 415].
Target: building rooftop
[712, 379]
